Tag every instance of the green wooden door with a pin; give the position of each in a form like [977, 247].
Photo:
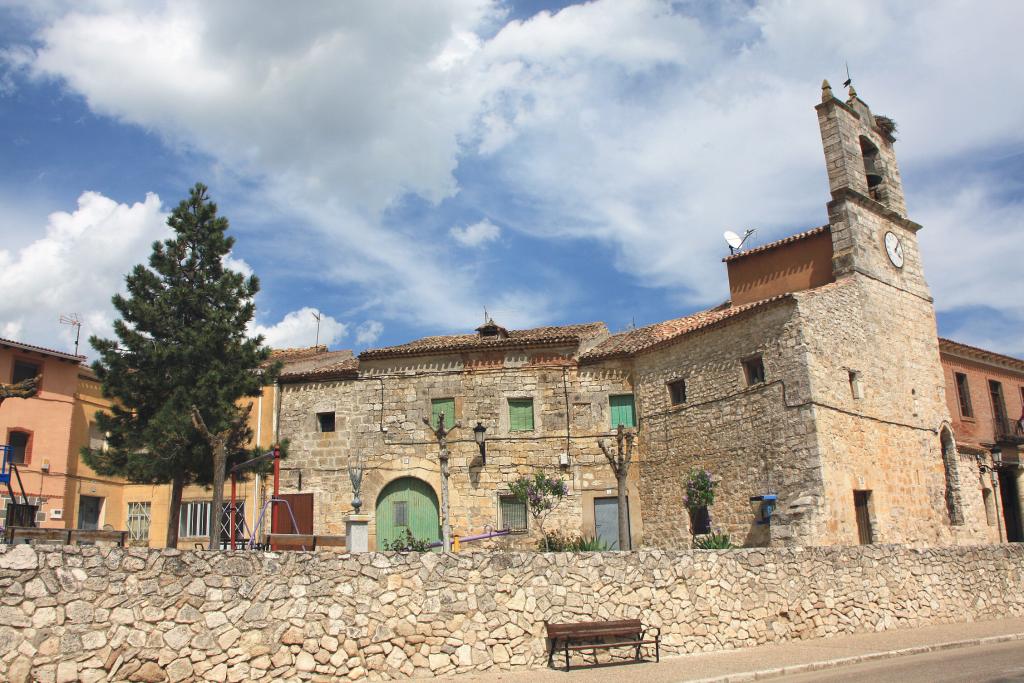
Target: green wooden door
[407, 503]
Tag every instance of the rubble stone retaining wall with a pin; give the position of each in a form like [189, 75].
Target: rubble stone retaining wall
[90, 614]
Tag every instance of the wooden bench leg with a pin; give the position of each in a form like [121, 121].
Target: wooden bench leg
[551, 652]
[567, 655]
[657, 649]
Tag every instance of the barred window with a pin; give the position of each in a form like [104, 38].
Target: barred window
[513, 514]
[138, 520]
[225, 521]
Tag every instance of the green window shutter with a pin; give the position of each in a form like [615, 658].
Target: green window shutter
[623, 411]
[520, 414]
[442, 405]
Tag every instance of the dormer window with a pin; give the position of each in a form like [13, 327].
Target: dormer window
[492, 330]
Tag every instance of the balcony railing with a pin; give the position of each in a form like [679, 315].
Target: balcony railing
[1008, 430]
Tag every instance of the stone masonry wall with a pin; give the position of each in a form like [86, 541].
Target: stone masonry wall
[91, 613]
[380, 416]
[746, 436]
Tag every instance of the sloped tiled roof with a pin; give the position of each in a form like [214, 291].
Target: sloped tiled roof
[568, 334]
[645, 338]
[63, 355]
[983, 355]
[321, 365]
[295, 353]
[778, 243]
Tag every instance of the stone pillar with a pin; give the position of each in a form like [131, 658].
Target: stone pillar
[357, 533]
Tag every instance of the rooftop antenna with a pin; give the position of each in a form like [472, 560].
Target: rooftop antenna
[736, 242]
[849, 80]
[316, 315]
[485, 315]
[75, 321]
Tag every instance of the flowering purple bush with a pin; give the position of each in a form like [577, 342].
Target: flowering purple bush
[541, 494]
[700, 489]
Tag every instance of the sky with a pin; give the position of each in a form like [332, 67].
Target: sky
[398, 167]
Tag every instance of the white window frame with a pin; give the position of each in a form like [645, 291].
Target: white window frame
[194, 520]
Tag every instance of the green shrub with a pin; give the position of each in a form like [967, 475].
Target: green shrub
[557, 543]
[408, 543]
[589, 544]
[712, 541]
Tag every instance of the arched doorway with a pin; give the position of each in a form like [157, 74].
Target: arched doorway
[954, 504]
[407, 503]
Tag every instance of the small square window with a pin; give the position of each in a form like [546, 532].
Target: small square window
[18, 441]
[520, 414]
[325, 421]
[753, 368]
[677, 391]
[513, 514]
[400, 512]
[24, 370]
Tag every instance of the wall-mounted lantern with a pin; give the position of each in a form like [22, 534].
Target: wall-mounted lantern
[480, 436]
[763, 507]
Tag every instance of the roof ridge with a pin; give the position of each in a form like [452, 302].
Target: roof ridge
[700, 319]
[779, 242]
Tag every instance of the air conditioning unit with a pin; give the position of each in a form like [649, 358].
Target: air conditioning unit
[57, 513]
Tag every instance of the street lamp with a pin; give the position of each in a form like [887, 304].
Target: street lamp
[480, 436]
[441, 434]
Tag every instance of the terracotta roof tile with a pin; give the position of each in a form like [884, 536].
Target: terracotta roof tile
[323, 365]
[64, 355]
[569, 334]
[984, 355]
[285, 355]
[646, 338]
[778, 243]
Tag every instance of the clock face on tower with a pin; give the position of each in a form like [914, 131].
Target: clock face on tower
[894, 248]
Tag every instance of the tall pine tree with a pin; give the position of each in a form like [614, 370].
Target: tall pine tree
[180, 363]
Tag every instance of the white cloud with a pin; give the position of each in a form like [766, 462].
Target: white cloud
[971, 232]
[238, 265]
[299, 329]
[75, 267]
[621, 121]
[477, 234]
[368, 332]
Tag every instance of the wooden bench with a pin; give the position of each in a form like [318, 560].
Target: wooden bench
[305, 541]
[595, 635]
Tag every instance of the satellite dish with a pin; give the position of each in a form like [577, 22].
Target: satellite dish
[736, 242]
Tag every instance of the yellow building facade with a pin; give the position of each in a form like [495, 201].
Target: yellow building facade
[48, 431]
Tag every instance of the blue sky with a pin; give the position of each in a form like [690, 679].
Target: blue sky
[400, 167]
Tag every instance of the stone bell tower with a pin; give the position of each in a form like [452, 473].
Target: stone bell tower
[871, 234]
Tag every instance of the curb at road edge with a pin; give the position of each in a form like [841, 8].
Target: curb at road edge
[762, 674]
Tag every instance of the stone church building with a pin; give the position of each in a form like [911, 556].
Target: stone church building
[818, 382]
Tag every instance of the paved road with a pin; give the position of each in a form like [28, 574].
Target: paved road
[1002, 663]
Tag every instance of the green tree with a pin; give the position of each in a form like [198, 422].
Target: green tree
[541, 494]
[180, 364]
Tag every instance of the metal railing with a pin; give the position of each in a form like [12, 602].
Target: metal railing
[1007, 430]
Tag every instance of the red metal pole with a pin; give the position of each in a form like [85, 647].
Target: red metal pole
[233, 508]
[277, 489]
